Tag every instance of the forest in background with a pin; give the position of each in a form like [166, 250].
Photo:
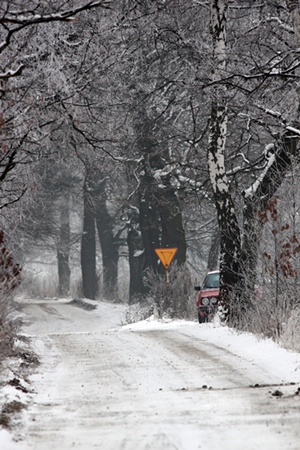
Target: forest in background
[132, 125]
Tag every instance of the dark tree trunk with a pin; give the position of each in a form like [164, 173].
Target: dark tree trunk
[160, 210]
[148, 201]
[173, 234]
[256, 200]
[135, 243]
[252, 234]
[110, 252]
[149, 222]
[63, 248]
[230, 256]
[97, 212]
[88, 253]
[136, 258]
[160, 215]
[109, 243]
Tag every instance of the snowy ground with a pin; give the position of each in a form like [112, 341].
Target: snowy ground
[151, 385]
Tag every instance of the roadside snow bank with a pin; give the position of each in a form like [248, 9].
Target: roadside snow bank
[264, 352]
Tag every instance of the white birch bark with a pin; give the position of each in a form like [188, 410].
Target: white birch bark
[230, 233]
[218, 121]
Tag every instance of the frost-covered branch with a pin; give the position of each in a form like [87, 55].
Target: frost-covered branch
[12, 73]
[279, 160]
[254, 187]
[94, 143]
[22, 20]
[296, 131]
[30, 19]
[281, 24]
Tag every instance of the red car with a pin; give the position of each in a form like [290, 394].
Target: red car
[208, 299]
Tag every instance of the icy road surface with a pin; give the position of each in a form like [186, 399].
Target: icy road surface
[155, 386]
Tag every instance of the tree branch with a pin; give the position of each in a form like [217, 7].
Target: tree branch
[23, 20]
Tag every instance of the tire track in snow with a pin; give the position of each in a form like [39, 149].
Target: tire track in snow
[122, 389]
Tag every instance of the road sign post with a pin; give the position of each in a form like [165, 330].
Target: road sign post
[168, 293]
[166, 256]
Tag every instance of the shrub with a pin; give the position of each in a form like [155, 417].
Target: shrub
[10, 276]
[290, 337]
[177, 302]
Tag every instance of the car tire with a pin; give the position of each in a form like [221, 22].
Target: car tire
[201, 319]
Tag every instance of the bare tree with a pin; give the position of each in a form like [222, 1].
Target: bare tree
[238, 262]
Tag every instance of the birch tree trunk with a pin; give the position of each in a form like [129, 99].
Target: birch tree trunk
[230, 234]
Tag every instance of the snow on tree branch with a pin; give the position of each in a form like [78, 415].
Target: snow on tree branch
[278, 162]
[23, 20]
[294, 130]
[29, 19]
[12, 73]
[254, 187]
[281, 24]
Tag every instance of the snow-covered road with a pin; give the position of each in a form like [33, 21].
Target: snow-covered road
[154, 385]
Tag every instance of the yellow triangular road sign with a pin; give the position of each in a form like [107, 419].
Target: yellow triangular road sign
[166, 255]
